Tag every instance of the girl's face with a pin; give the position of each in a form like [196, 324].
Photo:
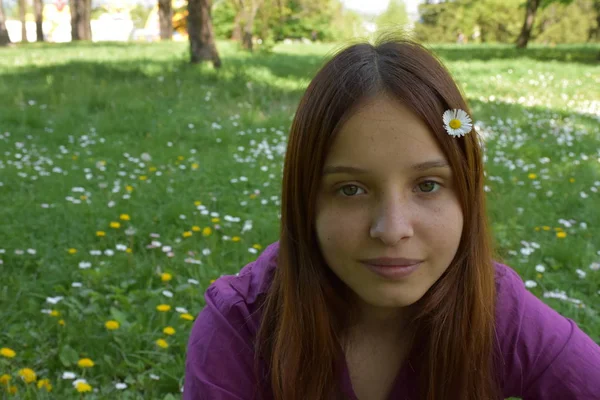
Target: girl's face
[401, 204]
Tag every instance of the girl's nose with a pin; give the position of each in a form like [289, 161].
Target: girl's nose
[392, 223]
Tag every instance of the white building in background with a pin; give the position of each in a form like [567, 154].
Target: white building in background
[112, 27]
[57, 26]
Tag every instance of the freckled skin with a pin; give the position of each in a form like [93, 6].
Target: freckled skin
[390, 212]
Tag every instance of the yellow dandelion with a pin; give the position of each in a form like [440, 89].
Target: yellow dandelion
[143, 177]
[187, 234]
[572, 180]
[195, 166]
[100, 233]
[129, 188]
[561, 235]
[85, 363]
[83, 387]
[215, 220]
[212, 281]
[187, 316]
[537, 228]
[207, 231]
[28, 375]
[181, 158]
[128, 250]
[169, 330]
[253, 196]
[546, 228]
[236, 239]
[112, 325]
[54, 313]
[163, 307]
[74, 158]
[152, 169]
[539, 276]
[72, 251]
[532, 176]
[162, 343]
[61, 322]
[45, 384]
[197, 203]
[115, 225]
[196, 228]
[4, 379]
[559, 229]
[7, 352]
[12, 389]
[257, 246]
[166, 277]
[83, 197]
[124, 217]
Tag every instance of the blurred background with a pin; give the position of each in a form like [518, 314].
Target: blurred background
[264, 22]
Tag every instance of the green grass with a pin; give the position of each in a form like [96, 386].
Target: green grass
[81, 116]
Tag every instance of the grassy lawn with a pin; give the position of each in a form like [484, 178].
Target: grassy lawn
[130, 179]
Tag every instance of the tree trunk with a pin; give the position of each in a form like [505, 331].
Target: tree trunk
[524, 36]
[81, 28]
[22, 13]
[39, 19]
[165, 18]
[236, 34]
[595, 32]
[250, 15]
[200, 31]
[4, 39]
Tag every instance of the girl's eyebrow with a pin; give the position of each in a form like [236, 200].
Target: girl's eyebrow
[424, 166]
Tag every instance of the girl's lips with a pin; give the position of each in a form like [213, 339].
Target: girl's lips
[393, 272]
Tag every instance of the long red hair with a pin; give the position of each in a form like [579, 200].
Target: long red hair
[306, 312]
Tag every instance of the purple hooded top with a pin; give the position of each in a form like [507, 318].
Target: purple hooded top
[545, 356]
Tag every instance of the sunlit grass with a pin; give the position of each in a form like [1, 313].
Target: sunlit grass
[130, 179]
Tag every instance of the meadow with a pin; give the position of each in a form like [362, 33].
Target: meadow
[130, 180]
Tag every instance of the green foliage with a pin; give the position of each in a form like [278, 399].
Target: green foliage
[484, 21]
[565, 23]
[139, 15]
[323, 20]
[394, 16]
[223, 16]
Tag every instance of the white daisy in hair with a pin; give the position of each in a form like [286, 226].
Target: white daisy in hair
[457, 122]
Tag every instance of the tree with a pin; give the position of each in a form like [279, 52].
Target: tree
[22, 14]
[595, 32]
[38, 6]
[200, 31]
[249, 9]
[394, 16]
[531, 8]
[4, 38]
[165, 18]
[530, 11]
[560, 23]
[81, 12]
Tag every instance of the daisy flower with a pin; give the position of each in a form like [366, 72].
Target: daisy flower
[457, 122]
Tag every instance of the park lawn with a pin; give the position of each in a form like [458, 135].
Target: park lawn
[130, 179]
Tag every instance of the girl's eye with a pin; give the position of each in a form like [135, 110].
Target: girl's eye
[349, 190]
[428, 186]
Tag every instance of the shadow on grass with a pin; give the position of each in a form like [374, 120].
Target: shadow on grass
[581, 53]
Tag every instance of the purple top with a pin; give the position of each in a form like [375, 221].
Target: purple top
[546, 356]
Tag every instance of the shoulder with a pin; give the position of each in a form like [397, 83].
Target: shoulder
[220, 351]
[538, 345]
[236, 297]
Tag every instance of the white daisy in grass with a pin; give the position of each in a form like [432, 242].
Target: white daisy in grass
[457, 122]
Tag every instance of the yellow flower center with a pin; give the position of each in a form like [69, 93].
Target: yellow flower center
[455, 124]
